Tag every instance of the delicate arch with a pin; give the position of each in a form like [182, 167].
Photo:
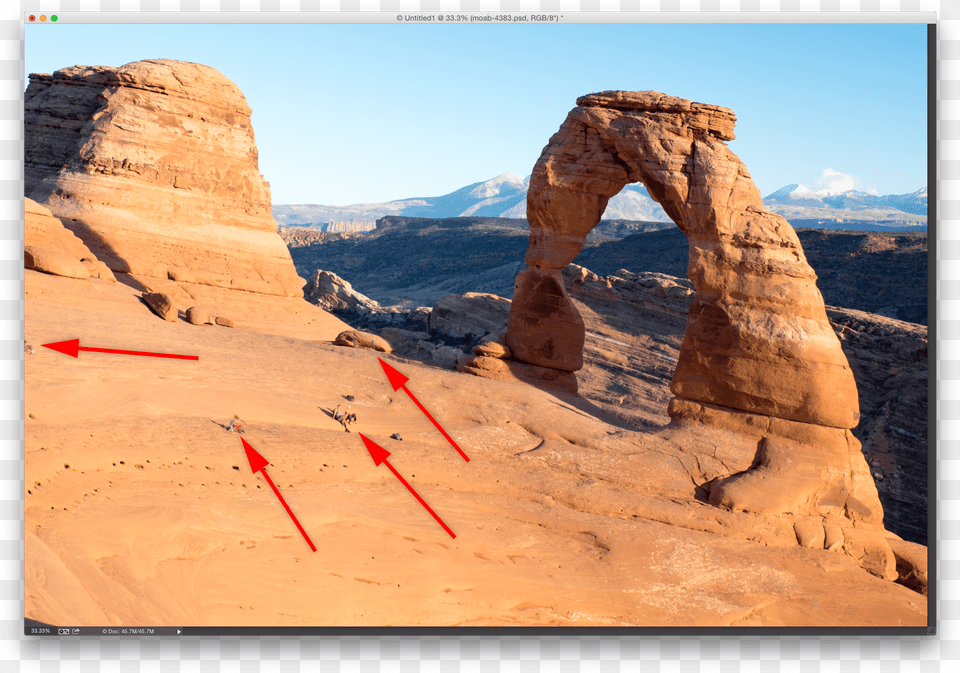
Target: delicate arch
[757, 336]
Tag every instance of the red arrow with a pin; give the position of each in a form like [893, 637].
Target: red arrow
[73, 347]
[379, 455]
[398, 381]
[258, 464]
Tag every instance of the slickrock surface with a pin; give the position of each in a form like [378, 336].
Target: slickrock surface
[154, 166]
[140, 508]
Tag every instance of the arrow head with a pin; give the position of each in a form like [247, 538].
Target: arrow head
[377, 452]
[257, 462]
[396, 378]
[71, 348]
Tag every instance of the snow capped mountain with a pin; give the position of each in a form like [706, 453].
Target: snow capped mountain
[506, 196]
[798, 195]
[502, 196]
[795, 195]
[508, 182]
[491, 198]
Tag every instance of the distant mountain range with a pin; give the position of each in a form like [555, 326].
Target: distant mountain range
[798, 195]
[505, 196]
[502, 196]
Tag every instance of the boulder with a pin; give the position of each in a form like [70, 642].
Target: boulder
[200, 315]
[493, 349]
[356, 339]
[161, 304]
[54, 262]
[225, 322]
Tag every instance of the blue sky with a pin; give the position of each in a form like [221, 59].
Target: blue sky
[349, 114]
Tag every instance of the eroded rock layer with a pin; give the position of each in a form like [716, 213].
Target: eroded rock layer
[757, 337]
[153, 166]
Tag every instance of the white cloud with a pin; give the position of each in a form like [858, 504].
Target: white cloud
[833, 182]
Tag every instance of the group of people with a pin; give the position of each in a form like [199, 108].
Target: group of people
[343, 417]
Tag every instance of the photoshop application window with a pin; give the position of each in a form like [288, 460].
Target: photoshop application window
[477, 322]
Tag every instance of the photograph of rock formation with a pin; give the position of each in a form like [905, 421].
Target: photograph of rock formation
[627, 390]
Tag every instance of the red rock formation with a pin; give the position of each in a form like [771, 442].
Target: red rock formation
[757, 336]
[154, 166]
[759, 357]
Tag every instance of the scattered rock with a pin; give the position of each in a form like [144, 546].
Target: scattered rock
[161, 304]
[54, 262]
[225, 322]
[396, 436]
[357, 339]
[200, 315]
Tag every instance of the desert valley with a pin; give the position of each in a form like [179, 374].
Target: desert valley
[658, 427]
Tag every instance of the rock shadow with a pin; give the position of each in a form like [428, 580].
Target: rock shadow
[586, 406]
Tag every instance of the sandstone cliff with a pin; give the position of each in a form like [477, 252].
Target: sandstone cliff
[153, 166]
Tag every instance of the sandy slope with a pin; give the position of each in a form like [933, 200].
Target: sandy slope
[141, 508]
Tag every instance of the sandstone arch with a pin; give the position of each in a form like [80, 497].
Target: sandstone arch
[757, 336]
